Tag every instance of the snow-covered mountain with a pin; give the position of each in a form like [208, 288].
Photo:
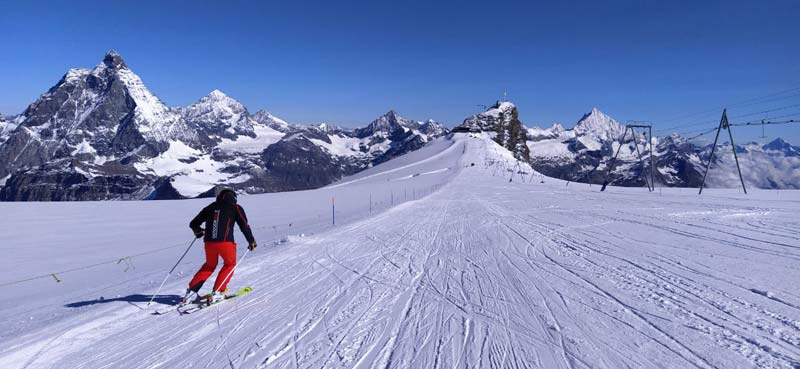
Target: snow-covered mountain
[598, 127]
[219, 116]
[391, 123]
[583, 153]
[502, 119]
[781, 147]
[105, 111]
[538, 134]
[332, 152]
[101, 134]
[77, 140]
[487, 120]
[271, 121]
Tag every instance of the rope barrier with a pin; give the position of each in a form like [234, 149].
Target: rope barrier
[127, 260]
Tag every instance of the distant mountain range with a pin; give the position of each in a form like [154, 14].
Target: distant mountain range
[100, 134]
[583, 154]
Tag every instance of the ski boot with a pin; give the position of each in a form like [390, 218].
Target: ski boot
[216, 297]
[187, 298]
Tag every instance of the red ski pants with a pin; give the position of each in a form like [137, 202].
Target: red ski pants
[213, 251]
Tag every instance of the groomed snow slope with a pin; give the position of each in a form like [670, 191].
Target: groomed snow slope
[481, 273]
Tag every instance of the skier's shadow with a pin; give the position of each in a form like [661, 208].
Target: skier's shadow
[131, 299]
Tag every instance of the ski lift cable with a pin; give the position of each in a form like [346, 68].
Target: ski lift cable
[766, 111]
[771, 119]
[738, 116]
[710, 121]
[702, 134]
[743, 103]
[753, 123]
[768, 100]
[772, 98]
[697, 130]
[767, 122]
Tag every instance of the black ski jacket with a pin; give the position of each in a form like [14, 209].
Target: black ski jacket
[219, 218]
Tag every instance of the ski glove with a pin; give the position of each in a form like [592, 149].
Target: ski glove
[252, 246]
[199, 232]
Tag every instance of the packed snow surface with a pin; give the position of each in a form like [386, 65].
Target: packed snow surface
[458, 268]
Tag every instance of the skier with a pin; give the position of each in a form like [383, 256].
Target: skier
[218, 218]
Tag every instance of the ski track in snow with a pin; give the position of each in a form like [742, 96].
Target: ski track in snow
[484, 273]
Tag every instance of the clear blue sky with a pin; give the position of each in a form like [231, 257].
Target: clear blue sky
[348, 62]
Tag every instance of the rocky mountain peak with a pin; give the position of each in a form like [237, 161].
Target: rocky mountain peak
[328, 127]
[266, 118]
[786, 148]
[386, 123]
[217, 114]
[595, 116]
[100, 133]
[432, 128]
[504, 106]
[599, 125]
[215, 95]
[217, 100]
[114, 61]
[539, 134]
[776, 144]
[501, 111]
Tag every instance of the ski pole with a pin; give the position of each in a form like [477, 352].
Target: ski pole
[234, 267]
[170, 272]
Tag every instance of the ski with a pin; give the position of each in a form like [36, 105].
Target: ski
[196, 301]
[194, 307]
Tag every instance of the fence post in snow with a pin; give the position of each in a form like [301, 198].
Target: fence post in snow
[333, 210]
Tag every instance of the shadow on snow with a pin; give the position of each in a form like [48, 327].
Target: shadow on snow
[132, 299]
